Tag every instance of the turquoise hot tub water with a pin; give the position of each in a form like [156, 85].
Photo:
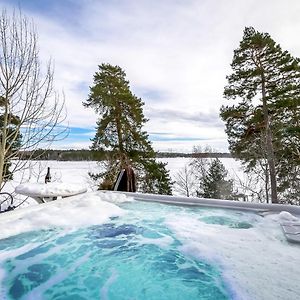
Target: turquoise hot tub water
[135, 256]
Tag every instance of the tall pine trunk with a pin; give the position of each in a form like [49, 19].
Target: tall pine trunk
[122, 154]
[269, 143]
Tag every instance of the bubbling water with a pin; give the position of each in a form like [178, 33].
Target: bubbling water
[107, 261]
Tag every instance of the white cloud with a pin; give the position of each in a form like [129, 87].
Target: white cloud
[181, 49]
[187, 146]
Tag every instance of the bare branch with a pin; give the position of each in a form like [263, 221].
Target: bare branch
[32, 113]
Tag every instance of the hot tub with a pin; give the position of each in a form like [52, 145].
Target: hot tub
[116, 246]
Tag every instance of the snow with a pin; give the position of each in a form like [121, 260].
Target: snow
[76, 172]
[286, 216]
[71, 173]
[252, 260]
[72, 212]
[50, 189]
[176, 164]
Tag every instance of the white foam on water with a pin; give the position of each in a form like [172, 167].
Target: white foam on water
[7, 254]
[24, 264]
[258, 261]
[105, 289]
[73, 212]
[37, 293]
[163, 242]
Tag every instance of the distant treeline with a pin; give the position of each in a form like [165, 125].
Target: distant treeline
[84, 154]
[64, 155]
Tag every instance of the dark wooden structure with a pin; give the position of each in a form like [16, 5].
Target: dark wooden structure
[125, 181]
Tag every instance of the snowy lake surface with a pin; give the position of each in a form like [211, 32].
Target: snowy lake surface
[109, 246]
[76, 172]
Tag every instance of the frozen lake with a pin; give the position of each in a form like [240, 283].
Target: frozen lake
[77, 171]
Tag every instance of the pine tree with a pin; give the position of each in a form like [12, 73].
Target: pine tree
[120, 132]
[213, 183]
[264, 125]
[155, 179]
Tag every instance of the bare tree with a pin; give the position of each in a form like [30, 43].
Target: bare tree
[253, 187]
[185, 182]
[31, 113]
[200, 163]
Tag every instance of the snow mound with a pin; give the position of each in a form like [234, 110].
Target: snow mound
[111, 197]
[73, 212]
[286, 216]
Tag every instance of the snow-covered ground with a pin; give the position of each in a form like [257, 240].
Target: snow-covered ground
[61, 171]
[77, 171]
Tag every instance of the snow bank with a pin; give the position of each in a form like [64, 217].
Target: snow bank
[73, 212]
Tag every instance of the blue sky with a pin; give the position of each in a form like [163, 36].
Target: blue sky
[176, 55]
